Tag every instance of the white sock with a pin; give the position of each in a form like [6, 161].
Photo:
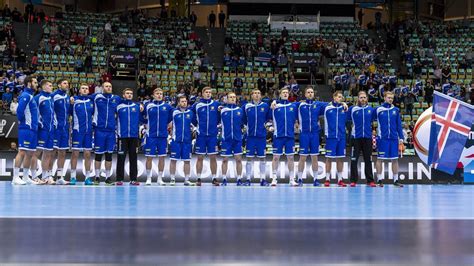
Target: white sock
[379, 177]
[292, 175]
[339, 176]
[88, 173]
[199, 176]
[223, 177]
[32, 172]
[172, 177]
[300, 175]
[149, 174]
[73, 173]
[60, 173]
[395, 177]
[213, 177]
[108, 173]
[315, 175]
[262, 169]
[97, 173]
[328, 175]
[186, 178]
[239, 177]
[249, 169]
[160, 176]
[274, 174]
[16, 172]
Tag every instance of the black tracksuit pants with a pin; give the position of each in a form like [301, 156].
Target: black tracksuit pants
[364, 145]
[127, 145]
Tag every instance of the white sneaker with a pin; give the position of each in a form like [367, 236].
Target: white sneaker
[18, 181]
[50, 181]
[274, 182]
[160, 182]
[189, 183]
[29, 181]
[61, 181]
[172, 182]
[148, 182]
[293, 183]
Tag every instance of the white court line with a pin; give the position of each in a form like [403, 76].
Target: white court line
[234, 218]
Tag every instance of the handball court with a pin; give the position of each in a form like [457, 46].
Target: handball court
[417, 224]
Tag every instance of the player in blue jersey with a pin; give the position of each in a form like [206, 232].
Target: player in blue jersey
[27, 114]
[232, 122]
[284, 115]
[46, 124]
[104, 122]
[61, 128]
[128, 123]
[158, 115]
[389, 137]
[309, 111]
[257, 115]
[335, 131]
[82, 110]
[361, 116]
[207, 116]
[181, 136]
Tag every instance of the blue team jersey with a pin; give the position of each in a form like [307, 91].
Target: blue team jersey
[284, 118]
[105, 106]
[27, 111]
[46, 111]
[61, 109]
[308, 115]
[82, 111]
[158, 114]
[389, 122]
[257, 115]
[182, 122]
[232, 121]
[335, 121]
[128, 119]
[207, 116]
[361, 117]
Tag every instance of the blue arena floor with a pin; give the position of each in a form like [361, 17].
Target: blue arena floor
[231, 202]
[415, 225]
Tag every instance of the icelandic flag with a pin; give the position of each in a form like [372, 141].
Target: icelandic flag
[451, 123]
[263, 57]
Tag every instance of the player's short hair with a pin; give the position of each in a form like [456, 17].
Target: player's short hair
[231, 92]
[157, 90]
[307, 88]
[103, 83]
[255, 90]
[126, 89]
[178, 99]
[44, 82]
[336, 93]
[83, 84]
[388, 93]
[362, 92]
[206, 89]
[284, 89]
[59, 81]
[28, 79]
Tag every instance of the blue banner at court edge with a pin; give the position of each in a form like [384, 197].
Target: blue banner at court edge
[451, 123]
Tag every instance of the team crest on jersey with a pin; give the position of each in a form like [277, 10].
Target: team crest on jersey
[188, 116]
[262, 109]
[164, 108]
[238, 113]
[291, 108]
[394, 112]
[133, 109]
[368, 111]
[212, 107]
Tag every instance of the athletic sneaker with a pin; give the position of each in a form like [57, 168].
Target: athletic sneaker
[109, 182]
[50, 181]
[198, 182]
[371, 184]
[300, 182]
[239, 182]
[293, 183]
[119, 183]
[380, 183]
[172, 182]
[247, 183]
[18, 181]
[88, 181]
[327, 183]
[29, 181]
[73, 181]
[316, 183]
[97, 181]
[398, 184]
[274, 182]
[189, 183]
[215, 182]
[61, 181]
[134, 183]
[148, 182]
[353, 184]
[341, 184]
[160, 182]
[264, 183]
